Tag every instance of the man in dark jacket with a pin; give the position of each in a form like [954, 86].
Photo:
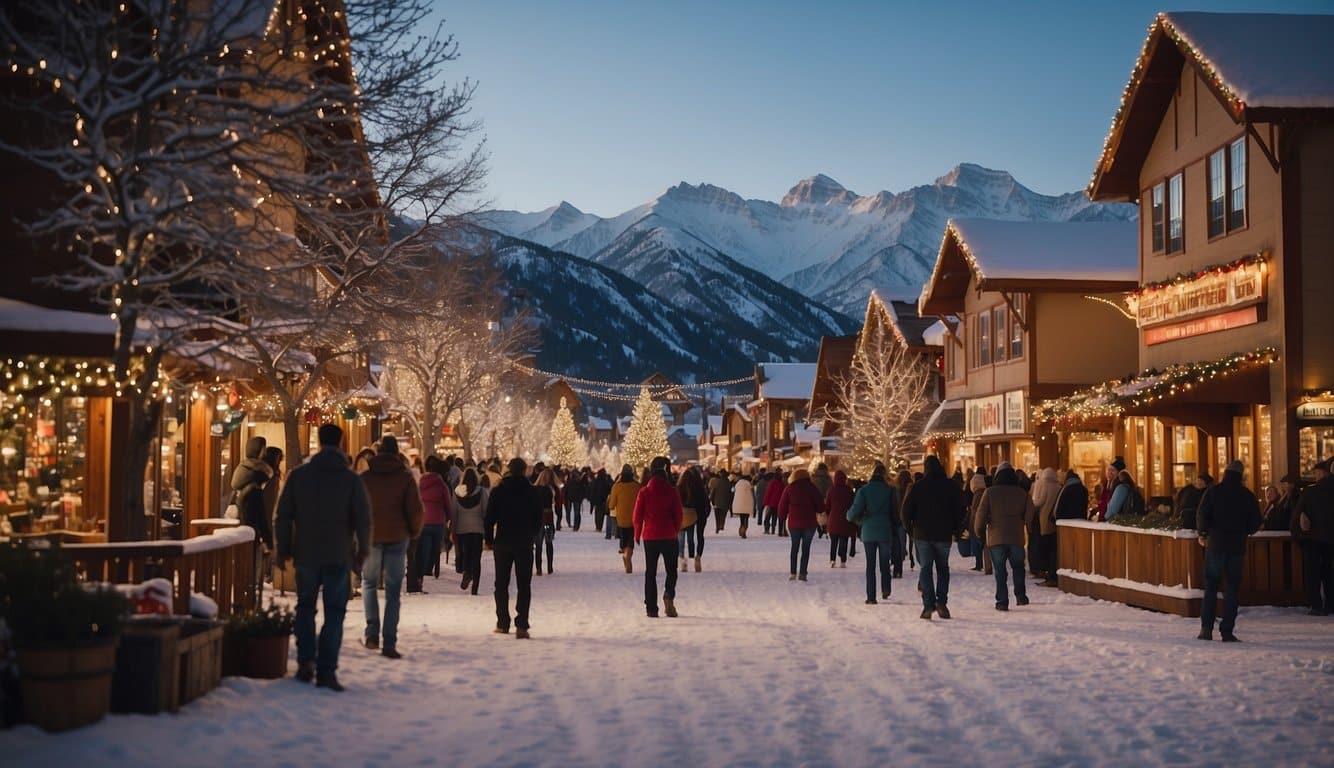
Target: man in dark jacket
[720, 498]
[513, 516]
[598, 491]
[323, 522]
[1228, 513]
[933, 511]
[1313, 526]
[396, 520]
[1072, 503]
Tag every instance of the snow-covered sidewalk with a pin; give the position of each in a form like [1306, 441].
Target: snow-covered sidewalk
[759, 671]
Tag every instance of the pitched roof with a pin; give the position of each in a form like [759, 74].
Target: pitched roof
[1030, 255]
[1258, 65]
[785, 381]
[909, 326]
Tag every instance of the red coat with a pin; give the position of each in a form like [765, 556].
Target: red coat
[836, 503]
[799, 504]
[658, 512]
[773, 493]
[435, 499]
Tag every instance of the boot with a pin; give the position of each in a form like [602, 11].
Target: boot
[625, 558]
[698, 566]
[669, 606]
[682, 566]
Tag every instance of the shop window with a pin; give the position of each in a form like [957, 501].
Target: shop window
[1185, 456]
[1026, 456]
[1157, 451]
[1218, 193]
[1227, 188]
[998, 317]
[1265, 439]
[1236, 207]
[984, 338]
[1314, 445]
[164, 477]
[1176, 228]
[1243, 427]
[43, 459]
[1017, 330]
[1157, 215]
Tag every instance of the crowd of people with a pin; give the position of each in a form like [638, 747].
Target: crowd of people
[383, 519]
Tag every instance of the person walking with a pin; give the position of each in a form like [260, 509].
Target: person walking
[720, 498]
[935, 513]
[324, 519]
[976, 487]
[743, 502]
[656, 520]
[249, 480]
[1312, 525]
[693, 495]
[1042, 536]
[836, 504]
[798, 509]
[689, 515]
[1003, 514]
[549, 499]
[513, 516]
[469, 525]
[773, 493]
[576, 487]
[437, 512]
[823, 480]
[874, 509]
[621, 502]
[1228, 514]
[598, 491]
[396, 520]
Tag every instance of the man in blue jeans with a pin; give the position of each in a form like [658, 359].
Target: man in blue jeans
[933, 511]
[1003, 517]
[323, 521]
[396, 514]
[1227, 514]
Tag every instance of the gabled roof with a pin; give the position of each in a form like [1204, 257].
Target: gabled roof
[909, 327]
[785, 381]
[1259, 66]
[830, 365]
[1030, 256]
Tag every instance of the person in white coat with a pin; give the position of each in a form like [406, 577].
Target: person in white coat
[743, 501]
[1042, 534]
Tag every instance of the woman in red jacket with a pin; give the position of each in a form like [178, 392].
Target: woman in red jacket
[836, 504]
[800, 503]
[773, 493]
[657, 519]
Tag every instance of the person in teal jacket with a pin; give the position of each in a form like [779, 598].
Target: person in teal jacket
[875, 510]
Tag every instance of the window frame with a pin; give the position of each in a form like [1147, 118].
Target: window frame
[1158, 217]
[1232, 182]
[1180, 210]
[1000, 334]
[1016, 330]
[983, 346]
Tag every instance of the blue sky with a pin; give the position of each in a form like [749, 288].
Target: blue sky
[606, 104]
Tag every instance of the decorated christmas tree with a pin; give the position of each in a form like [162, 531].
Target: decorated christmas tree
[647, 436]
[564, 447]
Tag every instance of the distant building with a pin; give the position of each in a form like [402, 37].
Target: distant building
[782, 393]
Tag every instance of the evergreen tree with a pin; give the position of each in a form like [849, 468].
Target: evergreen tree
[647, 436]
[564, 447]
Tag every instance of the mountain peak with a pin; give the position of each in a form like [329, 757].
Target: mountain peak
[817, 190]
[972, 174]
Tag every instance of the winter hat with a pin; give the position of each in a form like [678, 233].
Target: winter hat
[517, 466]
[660, 464]
[330, 434]
[1119, 463]
[389, 444]
[254, 447]
[1004, 465]
[1236, 466]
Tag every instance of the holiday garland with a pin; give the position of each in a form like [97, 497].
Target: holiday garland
[1115, 397]
[1197, 274]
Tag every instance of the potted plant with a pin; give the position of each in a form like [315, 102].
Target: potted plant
[65, 635]
[258, 642]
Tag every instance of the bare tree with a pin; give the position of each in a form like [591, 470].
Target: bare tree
[217, 194]
[881, 401]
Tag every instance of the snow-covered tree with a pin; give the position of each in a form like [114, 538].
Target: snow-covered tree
[646, 438]
[218, 166]
[881, 401]
[565, 447]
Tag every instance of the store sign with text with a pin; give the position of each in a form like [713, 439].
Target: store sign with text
[1201, 325]
[1319, 410]
[1205, 295]
[994, 415]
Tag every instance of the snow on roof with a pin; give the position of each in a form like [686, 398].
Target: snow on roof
[22, 316]
[910, 325]
[689, 430]
[1040, 250]
[786, 381]
[1274, 60]
[947, 418]
[715, 424]
[934, 336]
[599, 423]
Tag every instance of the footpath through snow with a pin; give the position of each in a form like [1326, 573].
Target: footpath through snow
[759, 671]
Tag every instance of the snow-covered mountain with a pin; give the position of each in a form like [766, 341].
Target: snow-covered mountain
[822, 239]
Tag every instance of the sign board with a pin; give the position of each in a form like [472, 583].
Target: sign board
[984, 416]
[1320, 410]
[1014, 412]
[1201, 325]
[1206, 295]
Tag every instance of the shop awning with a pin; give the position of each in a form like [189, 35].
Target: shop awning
[1184, 390]
[946, 421]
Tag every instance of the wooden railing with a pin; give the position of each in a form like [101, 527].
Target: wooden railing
[221, 566]
[1164, 570]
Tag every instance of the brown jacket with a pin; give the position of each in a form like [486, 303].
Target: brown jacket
[396, 503]
[1004, 514]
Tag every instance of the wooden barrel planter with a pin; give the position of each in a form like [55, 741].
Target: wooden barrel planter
[1164, 570]
[66, 688]
[266, 657]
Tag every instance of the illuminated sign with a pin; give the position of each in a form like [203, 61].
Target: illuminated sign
[1208, 294]
[1200, 326]
[984, 416]
[1321, 410]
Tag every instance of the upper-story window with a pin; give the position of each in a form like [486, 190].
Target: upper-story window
[1017, 330]
[998, 331]
[1227, 188]
[1158, 198]
[1176, 229]
[983, 337]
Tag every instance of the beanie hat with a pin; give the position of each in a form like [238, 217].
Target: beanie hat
[389, 444]
[1119, 463]
[254, 447]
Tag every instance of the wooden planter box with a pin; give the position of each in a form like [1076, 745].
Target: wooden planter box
[147, 679]
[66, 688]
[1164, 570]
[199, 654]
[259, 657]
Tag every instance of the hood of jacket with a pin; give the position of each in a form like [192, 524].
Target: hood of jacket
[932, 466]
[978, 483]
[386, 463]
[1050, 474]
[840, 477]
[1007, 476]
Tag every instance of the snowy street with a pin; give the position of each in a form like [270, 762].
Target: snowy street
[759, 671]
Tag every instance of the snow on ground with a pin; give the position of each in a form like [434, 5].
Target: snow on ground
[760, 671]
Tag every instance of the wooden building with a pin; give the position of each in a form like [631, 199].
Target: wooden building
[1225, 139]
[782, 393]
[1037, 312]
[672, 397]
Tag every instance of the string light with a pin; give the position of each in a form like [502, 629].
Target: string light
[1182, 278]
